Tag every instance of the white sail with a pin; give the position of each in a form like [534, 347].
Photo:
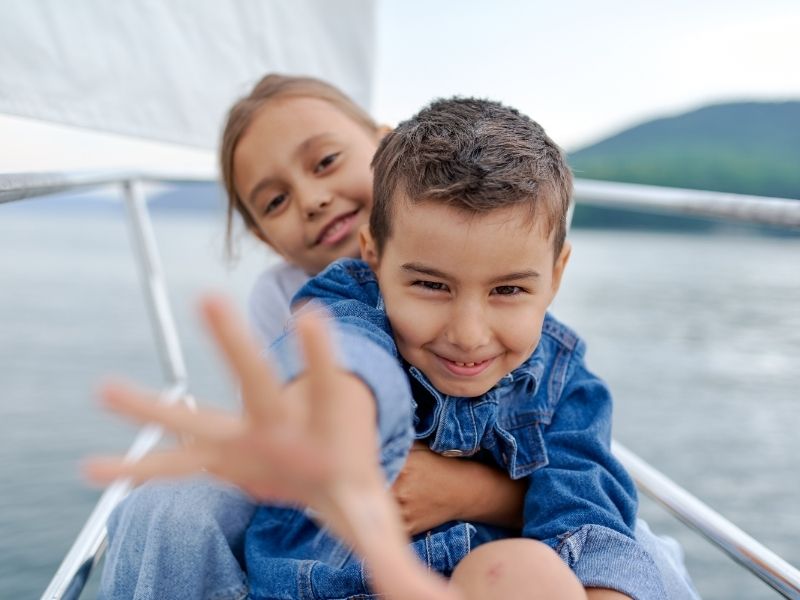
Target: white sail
[168, 70]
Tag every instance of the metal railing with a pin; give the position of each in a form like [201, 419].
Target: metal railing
[89, 545]
[87, 549]
[759, 560]
[778, 212]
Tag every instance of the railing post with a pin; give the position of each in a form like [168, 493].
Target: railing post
[152, 277]
[86, 551]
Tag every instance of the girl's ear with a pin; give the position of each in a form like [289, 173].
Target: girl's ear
[366, 243]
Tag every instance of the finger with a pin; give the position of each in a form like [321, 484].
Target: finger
[145, 407]
[321, 366]
[260, 389]
[169, 463]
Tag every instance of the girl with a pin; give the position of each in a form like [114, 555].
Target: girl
[295, 161]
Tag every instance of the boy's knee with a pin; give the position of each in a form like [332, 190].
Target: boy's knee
[518, 569]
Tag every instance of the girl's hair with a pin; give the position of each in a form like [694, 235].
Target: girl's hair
[241, 114]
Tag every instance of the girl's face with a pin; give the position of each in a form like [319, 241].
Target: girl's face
[303, 169]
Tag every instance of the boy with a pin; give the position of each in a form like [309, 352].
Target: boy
[467, 242]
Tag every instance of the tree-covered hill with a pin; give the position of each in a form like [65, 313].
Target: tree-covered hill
[746, 147]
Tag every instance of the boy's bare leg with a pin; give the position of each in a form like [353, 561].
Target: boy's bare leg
[516, 569]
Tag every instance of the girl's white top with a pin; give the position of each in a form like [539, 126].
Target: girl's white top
[270, 298]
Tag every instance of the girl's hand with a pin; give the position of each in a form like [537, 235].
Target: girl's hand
[432, 489]
[290, 443]
[423, 490]
[312, 442]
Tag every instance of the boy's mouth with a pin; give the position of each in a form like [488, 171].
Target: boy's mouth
[465, 369]
[338, 229]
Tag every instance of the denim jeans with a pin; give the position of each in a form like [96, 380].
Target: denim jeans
[176, 540]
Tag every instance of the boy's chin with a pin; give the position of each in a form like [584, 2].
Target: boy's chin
[472, 389]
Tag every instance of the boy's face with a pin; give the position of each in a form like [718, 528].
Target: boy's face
[302, 167]
[466, 295]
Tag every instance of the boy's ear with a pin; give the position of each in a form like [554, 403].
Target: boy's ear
[560, 265]
[369, 252]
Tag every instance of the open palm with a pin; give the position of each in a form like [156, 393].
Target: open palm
[311, 442]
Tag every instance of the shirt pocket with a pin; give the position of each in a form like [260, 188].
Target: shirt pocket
[521, 443]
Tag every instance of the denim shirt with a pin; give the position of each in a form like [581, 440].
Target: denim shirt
[548, 422]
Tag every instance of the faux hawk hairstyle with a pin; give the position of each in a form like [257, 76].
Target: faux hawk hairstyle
[476, 155]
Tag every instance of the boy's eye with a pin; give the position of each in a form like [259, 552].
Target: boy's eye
[508, 290]
[274, 204]
[434, 286]
[326, 162]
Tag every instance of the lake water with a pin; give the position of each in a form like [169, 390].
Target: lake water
[698, 336]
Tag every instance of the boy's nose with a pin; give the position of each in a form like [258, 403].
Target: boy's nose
[468, 329]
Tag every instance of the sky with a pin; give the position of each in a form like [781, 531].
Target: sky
[584, 69]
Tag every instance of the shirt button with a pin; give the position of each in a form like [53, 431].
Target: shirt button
[453, 452]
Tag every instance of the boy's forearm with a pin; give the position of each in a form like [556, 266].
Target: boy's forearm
[583, 503]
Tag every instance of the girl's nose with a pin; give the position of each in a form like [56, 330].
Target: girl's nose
[315, 205]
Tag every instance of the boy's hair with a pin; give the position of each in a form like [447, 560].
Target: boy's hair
[241, 114]
[476, 155]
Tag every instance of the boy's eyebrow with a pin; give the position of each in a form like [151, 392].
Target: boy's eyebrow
[424, 270]
[430, 271]
[516, 276]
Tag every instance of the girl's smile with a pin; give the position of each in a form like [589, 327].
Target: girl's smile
[338, 229]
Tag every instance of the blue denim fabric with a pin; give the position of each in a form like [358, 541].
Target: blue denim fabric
[290, 557]
[548, 421]
[177, 540]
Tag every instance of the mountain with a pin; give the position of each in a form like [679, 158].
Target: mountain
[183, 197]
[743, 147]
[191, 196]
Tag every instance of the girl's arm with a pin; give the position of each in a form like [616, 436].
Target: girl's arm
[605, 594]
[432, 489]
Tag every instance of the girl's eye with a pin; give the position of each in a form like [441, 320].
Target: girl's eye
[326, 162]
[275, 203]
[508, 290]
[434, 286]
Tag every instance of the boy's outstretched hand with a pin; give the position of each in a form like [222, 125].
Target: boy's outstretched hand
[312, 442]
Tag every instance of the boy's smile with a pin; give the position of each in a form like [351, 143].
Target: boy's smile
[466, 294]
